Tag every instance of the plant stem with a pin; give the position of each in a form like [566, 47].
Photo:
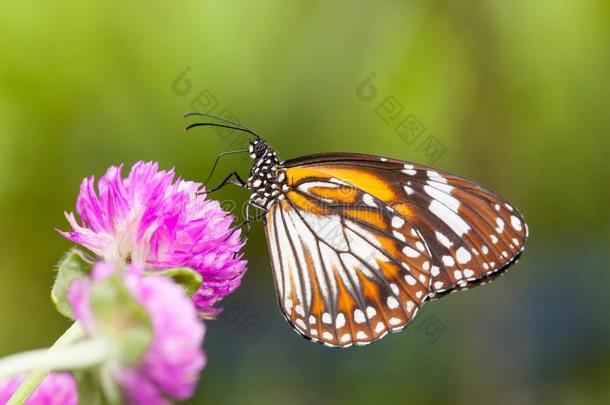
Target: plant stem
[79, 355]
[34, 378]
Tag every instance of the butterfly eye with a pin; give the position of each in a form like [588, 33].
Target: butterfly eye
[259, 149]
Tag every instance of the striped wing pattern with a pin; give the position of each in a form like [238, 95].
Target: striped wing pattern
[358, 243]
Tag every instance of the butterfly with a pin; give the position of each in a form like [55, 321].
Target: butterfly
[358, 243]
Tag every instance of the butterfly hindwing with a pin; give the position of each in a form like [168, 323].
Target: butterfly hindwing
[343, 282]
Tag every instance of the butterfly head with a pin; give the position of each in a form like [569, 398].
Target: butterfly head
[257, 148]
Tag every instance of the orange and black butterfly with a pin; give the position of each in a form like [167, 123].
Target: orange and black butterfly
[358, 242]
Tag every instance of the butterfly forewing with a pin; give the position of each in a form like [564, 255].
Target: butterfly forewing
[472, 232]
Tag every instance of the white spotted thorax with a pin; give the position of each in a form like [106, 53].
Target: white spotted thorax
[267, 179]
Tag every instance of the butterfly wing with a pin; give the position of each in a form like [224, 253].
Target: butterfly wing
[360, 242]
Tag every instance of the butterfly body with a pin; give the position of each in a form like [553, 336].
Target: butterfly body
[267, 181]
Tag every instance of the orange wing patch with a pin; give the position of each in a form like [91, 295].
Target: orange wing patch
[404, 210]
[306, 204]
[368, 216]
[339, 194]
[317, 304]
[354, 177]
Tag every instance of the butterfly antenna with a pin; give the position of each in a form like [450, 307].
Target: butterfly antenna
[230, 124]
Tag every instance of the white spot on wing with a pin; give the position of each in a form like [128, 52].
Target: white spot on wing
[408, 169]
[516, 223]
[392, 303]
[500, 223]
[369, 200]
[326, 318]
[399, 236]
[443, 196]
[359, 316]
[463, 255]
[436, 176]
[340, 321]
[394, 288]
[397, 222]
[452, 219]
[361, 335]
[444, 240]
[394, 321]
[337, 181]
[410, 252]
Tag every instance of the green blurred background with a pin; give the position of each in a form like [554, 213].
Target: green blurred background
[516, 93]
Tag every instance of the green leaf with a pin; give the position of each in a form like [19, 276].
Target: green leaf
[120, 318]
[72, 266]
[186, 277]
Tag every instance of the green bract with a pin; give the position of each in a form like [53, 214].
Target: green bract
[73, 265]
[186, 277]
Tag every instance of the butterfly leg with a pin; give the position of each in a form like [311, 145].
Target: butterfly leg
[232, 152]
[247, 222]
[233, 178]
[250, 219]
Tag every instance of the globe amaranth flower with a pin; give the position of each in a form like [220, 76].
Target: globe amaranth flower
[55, 389]
[172, 361]
[153, 219]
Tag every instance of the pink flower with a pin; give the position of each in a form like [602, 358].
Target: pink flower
[55, 389]
[170, 367]
[151, 218]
